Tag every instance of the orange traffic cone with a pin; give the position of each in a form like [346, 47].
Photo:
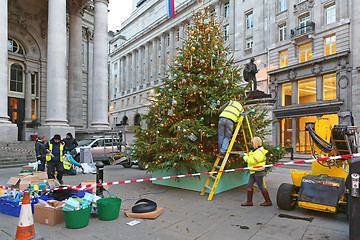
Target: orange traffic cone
[25, 229]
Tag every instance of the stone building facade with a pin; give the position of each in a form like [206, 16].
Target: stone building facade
[56, 50]
[305, 50]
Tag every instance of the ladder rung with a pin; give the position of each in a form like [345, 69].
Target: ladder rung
[217, 167]
[237, 152]
[212, 177]
[208, 188]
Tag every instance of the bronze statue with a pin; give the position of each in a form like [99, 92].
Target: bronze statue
[250, 72]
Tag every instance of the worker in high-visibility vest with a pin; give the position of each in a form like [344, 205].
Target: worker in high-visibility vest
[230, 114]
[256, 157]
[54, 158]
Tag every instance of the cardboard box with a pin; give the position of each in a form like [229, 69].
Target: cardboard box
[22, 182]
[150, 215]
[27, 167]
[49, 215]
[41, 175]
[87, 182]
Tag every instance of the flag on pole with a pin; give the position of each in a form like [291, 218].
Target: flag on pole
[171, 8]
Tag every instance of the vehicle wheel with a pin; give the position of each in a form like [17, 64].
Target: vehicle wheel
[285, 198]
[77, 158]
[127, 164]
[106, 162]
[142, 165]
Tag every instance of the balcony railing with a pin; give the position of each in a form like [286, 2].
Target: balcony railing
[309, 27]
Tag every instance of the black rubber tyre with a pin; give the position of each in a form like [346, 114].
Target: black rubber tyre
[284, 198]
[142, 165]
[127, 164]
[106, 162]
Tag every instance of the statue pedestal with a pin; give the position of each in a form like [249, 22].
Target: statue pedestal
[257, 95]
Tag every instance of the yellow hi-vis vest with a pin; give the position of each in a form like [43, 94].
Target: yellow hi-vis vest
[232, 111]
[48, 155]
[256, 158]
[67, 164]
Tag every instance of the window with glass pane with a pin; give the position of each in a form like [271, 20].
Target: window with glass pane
[249, 20]
[168, 58]
[128, 101]
[177, 34]
[141, 98]
[159, 59]
[33, 84]
[330, 13]
[282, 33]
[305, 52]
[329, 83]
[282, 5]
[14, 46]
[283, 58]
[134, 100]
[307, 90]
[286, 131]
[227, 30]
[226, 9]
[16, 78]
[304, 23]
[249, 43]
[114, 105]
[122, 103]
[286, 94]
[33, 109]
[330, 45]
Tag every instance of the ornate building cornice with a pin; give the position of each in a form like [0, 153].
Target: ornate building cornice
[304, 6]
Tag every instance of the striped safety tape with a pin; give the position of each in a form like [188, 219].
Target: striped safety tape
[195, 174]
[16, 149]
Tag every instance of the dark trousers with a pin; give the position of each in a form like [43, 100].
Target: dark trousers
[257, 177]
[41, 165]
[53, 166]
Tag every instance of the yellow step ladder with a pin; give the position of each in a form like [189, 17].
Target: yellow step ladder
[216, 176]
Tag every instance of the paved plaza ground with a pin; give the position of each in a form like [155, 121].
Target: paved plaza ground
[190, 216]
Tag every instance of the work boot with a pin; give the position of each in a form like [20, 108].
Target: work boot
[249, 202]
[266, 196]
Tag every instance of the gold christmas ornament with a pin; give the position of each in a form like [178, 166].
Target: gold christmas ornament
[212, 125]
[192, 32]
[238, 73]
[162, 125]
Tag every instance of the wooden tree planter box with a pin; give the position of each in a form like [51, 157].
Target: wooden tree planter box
[227, 181]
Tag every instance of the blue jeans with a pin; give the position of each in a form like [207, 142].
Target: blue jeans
[225, 130]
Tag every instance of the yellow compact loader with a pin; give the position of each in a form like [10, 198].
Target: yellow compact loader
[323, 189]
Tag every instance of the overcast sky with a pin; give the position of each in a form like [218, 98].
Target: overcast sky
[120, 10]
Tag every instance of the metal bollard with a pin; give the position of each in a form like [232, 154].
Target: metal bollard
[354, 200]
[99, 178]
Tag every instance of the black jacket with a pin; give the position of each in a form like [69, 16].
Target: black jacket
[70, 144]
[39, 149]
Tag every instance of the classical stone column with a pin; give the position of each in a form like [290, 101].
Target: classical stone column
[123, 71]
[232, 23]
[100, 89]
[154, 60]
[128, 71]
[171, 46]
[147, 63]
[27, 96]
[75, 67]
[133, 67]
[163, 55]
[140, 60]
[7, 129]
[181, 34]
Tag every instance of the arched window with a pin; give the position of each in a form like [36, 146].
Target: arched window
[16, 78]
[14, 46]
[137, 120]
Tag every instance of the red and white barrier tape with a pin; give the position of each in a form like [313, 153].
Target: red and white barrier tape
[195, 174]
[16, 149]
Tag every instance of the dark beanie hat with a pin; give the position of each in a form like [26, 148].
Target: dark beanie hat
[57, 137]
[69, 134]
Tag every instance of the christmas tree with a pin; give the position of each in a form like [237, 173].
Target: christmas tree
[181, 125]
